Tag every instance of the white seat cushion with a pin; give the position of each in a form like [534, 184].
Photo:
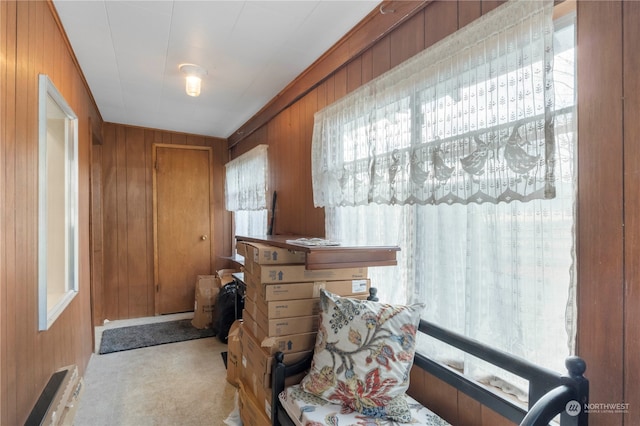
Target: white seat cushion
[306, 409]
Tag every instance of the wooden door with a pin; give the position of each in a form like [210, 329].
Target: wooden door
[182, 218]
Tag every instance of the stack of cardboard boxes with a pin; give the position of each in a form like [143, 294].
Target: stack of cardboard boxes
[282, 314]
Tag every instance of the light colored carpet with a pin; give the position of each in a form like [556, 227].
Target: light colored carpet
[173, 384]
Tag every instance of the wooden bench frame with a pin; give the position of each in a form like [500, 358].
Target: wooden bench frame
[550, 393]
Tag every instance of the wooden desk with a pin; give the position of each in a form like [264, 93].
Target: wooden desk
[332, 257]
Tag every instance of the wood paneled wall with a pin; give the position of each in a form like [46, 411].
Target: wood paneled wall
[127, 288]
[609, 204]
[608, 231]
[32, 42]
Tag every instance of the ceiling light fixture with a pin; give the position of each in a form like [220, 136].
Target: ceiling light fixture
[194, 75]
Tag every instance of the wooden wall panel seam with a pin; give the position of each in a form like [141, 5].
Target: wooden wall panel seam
[8, 374]
[631, 136]
[22, 144]
[3, 136]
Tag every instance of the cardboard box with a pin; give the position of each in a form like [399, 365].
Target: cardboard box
[266, 274]
[264, 254]
[241, 248]
[252, 412]
[252, 374]
[250, 305]
[209, 280]
[304, 289]
[250, 323]
[284, 326]
[207, 289]
[234, 353]
[287, 344]
[255, 253]
[225, 276]
[262, 395]
[259, 360]
[309, 290]
[289, 308]
[251, 354]
[286, 308]
[253, 286]
[251, 290]
[259, 383]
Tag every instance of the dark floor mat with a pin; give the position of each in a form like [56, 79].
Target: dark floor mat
[141, 336]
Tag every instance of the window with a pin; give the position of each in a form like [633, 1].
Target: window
[57, 204]
[246, 191]
[250, 222]
[468, 164]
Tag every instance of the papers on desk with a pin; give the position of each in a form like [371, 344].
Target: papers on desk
[313, 242]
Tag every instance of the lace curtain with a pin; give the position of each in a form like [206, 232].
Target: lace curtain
[246, 180]
[250, 222]
[502, 273]
[246, 191]
[468, 120]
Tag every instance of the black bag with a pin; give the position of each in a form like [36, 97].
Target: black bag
[228, 308]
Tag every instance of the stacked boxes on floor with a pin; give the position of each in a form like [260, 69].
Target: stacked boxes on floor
[282, 314]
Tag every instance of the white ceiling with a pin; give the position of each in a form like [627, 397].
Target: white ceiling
[129, 52]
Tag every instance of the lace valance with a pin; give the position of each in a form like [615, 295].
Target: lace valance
[246, 180]
[469, 120]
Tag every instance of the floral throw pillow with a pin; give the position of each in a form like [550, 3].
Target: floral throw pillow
[363, 355]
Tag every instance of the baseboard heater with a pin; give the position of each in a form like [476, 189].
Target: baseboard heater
[59, 399]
